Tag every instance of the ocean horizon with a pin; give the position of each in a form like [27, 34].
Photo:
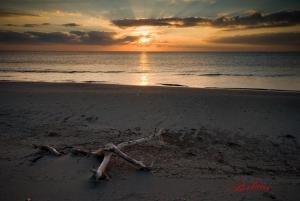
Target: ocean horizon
[262, 70]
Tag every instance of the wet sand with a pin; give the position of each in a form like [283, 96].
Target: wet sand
[215, 138]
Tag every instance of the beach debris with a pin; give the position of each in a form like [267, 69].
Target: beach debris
[101, 172]
[110, 149]
[47, 148]
[44, 149]
[80, 152]
[106, 153]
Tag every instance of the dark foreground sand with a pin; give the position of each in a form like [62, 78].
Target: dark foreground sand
[216, 138]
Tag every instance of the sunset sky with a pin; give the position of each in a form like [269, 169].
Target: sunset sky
[150, 25]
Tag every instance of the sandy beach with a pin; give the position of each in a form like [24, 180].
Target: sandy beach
[215, 139]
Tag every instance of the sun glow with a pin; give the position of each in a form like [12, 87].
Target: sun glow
[146, 35]
[144, 40]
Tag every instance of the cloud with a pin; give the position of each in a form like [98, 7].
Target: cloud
[174, 22]
[102, 38]
[290, 39]
[254, 20]
[10, 25]
[192, 1]
[31, 25]
[27, 25]
[258, 20]
[73, 37]
[10, 13]
[42, 24]
[71, 25]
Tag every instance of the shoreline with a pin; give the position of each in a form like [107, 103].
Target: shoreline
[170, 85]
[97, 51]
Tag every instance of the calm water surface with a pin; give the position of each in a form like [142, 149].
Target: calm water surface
[226, 70]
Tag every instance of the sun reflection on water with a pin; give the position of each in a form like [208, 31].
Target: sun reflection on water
[144, 80]
[144, 67]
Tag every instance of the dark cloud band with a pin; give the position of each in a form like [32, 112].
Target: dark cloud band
[176, 22]
[256, 20]
[289, 39]
[73, 37]
[43, 24]
[7, 13]
[71, 25]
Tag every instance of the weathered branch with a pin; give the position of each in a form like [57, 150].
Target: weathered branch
[78, 151]
[99, 152]
[141, 140]
[47, 148]
[107, 152]
[101, 172]
[113, 148]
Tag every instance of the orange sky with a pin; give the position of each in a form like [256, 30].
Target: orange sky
[130, 27]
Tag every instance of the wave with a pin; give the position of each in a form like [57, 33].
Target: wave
[247, 75]
[171, 85]
[73, 71]
[55, 71]
[239, 75]
[188, 73]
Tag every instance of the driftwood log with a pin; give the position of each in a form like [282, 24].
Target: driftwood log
[107, 152]
[49, 149]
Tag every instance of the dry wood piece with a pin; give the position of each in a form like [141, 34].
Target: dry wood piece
[141, 140]
[139, 164]
[116, 149]
[101, 172]
[107, 152]
[47, 148]
[77, 151]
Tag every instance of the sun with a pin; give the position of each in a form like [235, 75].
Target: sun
[145, 35]
[144, 40]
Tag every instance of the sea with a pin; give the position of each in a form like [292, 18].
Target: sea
[254, 70]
